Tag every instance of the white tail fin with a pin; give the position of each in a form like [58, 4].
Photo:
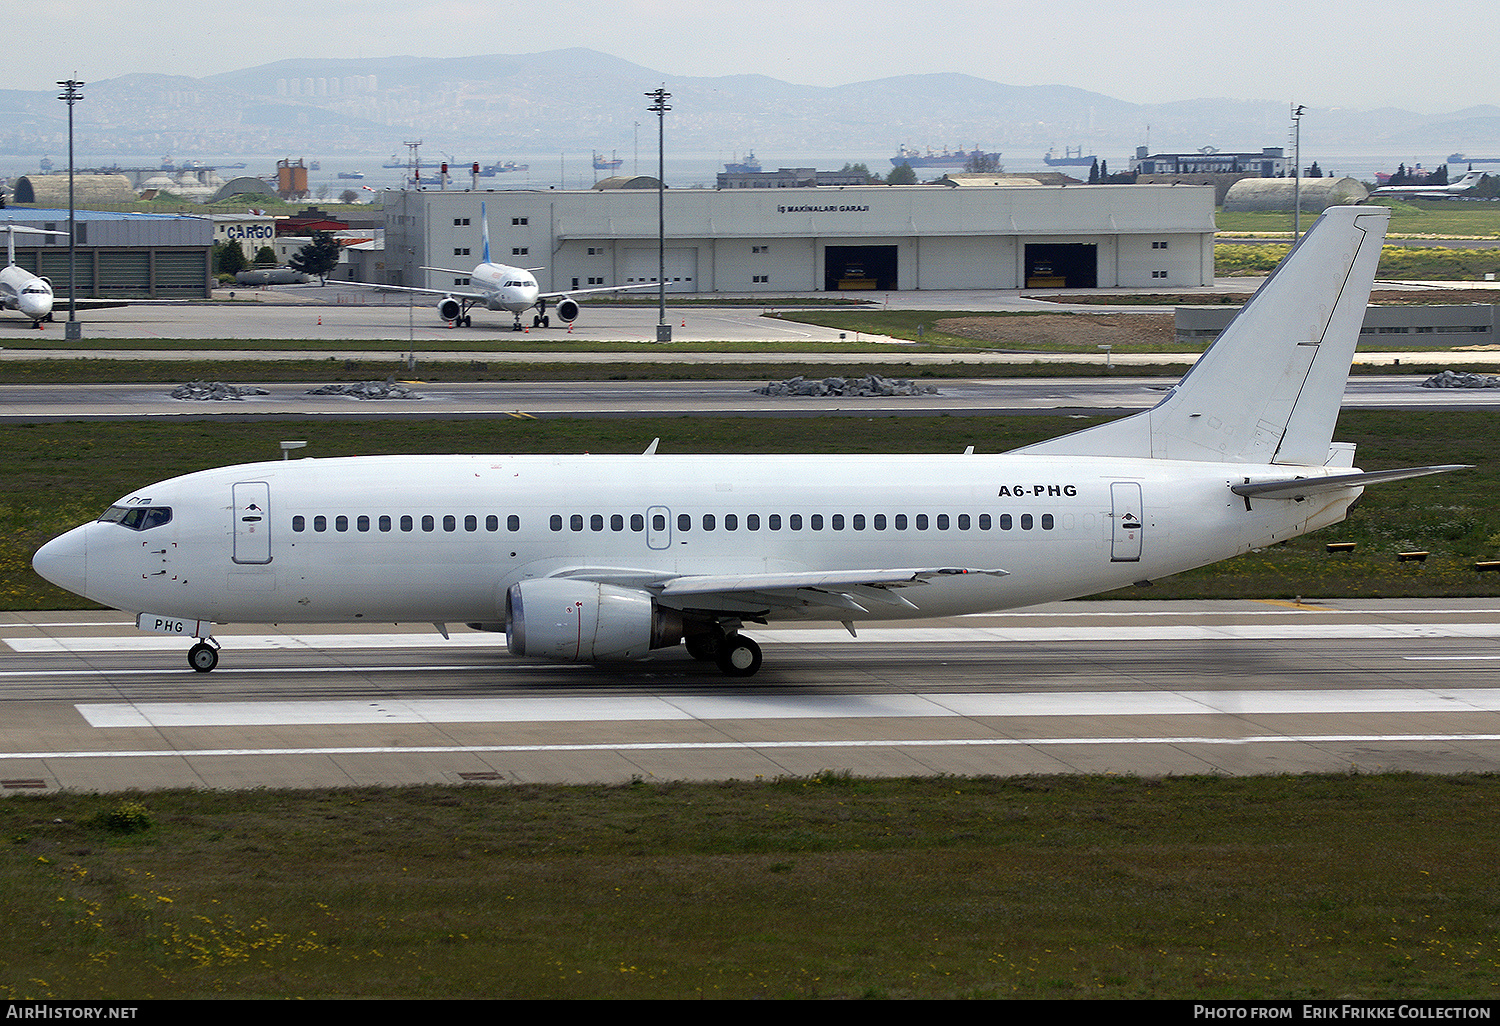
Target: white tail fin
[1268, 390]
[10, 238]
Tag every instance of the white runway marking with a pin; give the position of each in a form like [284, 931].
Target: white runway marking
[812, 636]
[648, 708]
[664, 746]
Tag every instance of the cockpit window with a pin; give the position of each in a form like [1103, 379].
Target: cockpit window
[137, 518]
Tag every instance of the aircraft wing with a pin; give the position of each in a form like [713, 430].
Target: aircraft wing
[854, 590]
[606, 288]
[478, 297]
[60, 303]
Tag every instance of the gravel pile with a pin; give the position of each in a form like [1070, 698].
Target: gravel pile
[869, 385]
[1461, 379]
[368, 390]
[215, 391]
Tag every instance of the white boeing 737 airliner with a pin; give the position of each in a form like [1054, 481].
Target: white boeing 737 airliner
[595, 558]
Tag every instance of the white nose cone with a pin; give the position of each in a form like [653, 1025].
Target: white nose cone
[64, 560]
[35, 305]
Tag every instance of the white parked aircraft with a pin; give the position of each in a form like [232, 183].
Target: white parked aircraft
[1464, 184]
[502, 287]
[595, 558]
[21, 291]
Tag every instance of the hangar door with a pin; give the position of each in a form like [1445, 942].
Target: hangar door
[859, 267]
[1053, 265]
[642, 265]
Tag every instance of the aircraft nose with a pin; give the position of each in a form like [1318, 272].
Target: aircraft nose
[35, 305]
[64, 560]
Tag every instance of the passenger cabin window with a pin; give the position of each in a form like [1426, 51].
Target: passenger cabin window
[137, 518]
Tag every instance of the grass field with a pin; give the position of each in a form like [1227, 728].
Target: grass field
[60, 475]
[1455, 219]
[1334, 887]
[1420, 263]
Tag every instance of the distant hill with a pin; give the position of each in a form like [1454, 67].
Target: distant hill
[496, 106]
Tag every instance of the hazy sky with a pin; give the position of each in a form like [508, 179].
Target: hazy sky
[1321, 55]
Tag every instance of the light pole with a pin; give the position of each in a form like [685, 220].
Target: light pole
[660, 108]
[71, 95]
[1297, 172]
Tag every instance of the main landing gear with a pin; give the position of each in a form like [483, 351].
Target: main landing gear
[734, 654]
[204, 656]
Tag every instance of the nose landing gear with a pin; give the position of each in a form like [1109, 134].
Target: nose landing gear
[204, 656]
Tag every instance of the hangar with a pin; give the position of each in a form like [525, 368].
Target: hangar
[120, 256]
[815, 239]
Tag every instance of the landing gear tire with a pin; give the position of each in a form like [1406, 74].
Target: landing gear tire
[705, 647]
[739, 656]
[203, 657]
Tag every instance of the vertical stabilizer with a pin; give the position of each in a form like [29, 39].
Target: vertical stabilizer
[1268, 390]
[484, 221]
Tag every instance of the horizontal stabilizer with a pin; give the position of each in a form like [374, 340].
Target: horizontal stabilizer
[25, 230]
[1301, 487]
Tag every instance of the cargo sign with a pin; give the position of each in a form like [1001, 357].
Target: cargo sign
[253, 232]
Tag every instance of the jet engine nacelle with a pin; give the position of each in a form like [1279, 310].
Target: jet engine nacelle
[566, 310]
[450, 309]
[582, 621]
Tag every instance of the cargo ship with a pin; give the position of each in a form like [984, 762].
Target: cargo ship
[1069, 158]
[748, 166]
[948, 158]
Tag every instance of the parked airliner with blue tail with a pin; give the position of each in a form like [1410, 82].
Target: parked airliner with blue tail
[502, 287]
[596, 558]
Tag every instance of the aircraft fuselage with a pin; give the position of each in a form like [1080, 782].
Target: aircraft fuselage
[508, 288]
[340, 540]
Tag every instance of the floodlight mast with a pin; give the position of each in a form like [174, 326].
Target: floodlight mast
[1297, 173]
[660, 107]
[71, 95]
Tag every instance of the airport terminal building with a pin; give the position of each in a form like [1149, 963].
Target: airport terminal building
[815, 239]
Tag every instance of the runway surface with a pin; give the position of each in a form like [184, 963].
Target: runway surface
[1120, 687]
[957, 396]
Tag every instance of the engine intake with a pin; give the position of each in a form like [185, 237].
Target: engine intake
[582, 621]
[450, 309]
[566, 310]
